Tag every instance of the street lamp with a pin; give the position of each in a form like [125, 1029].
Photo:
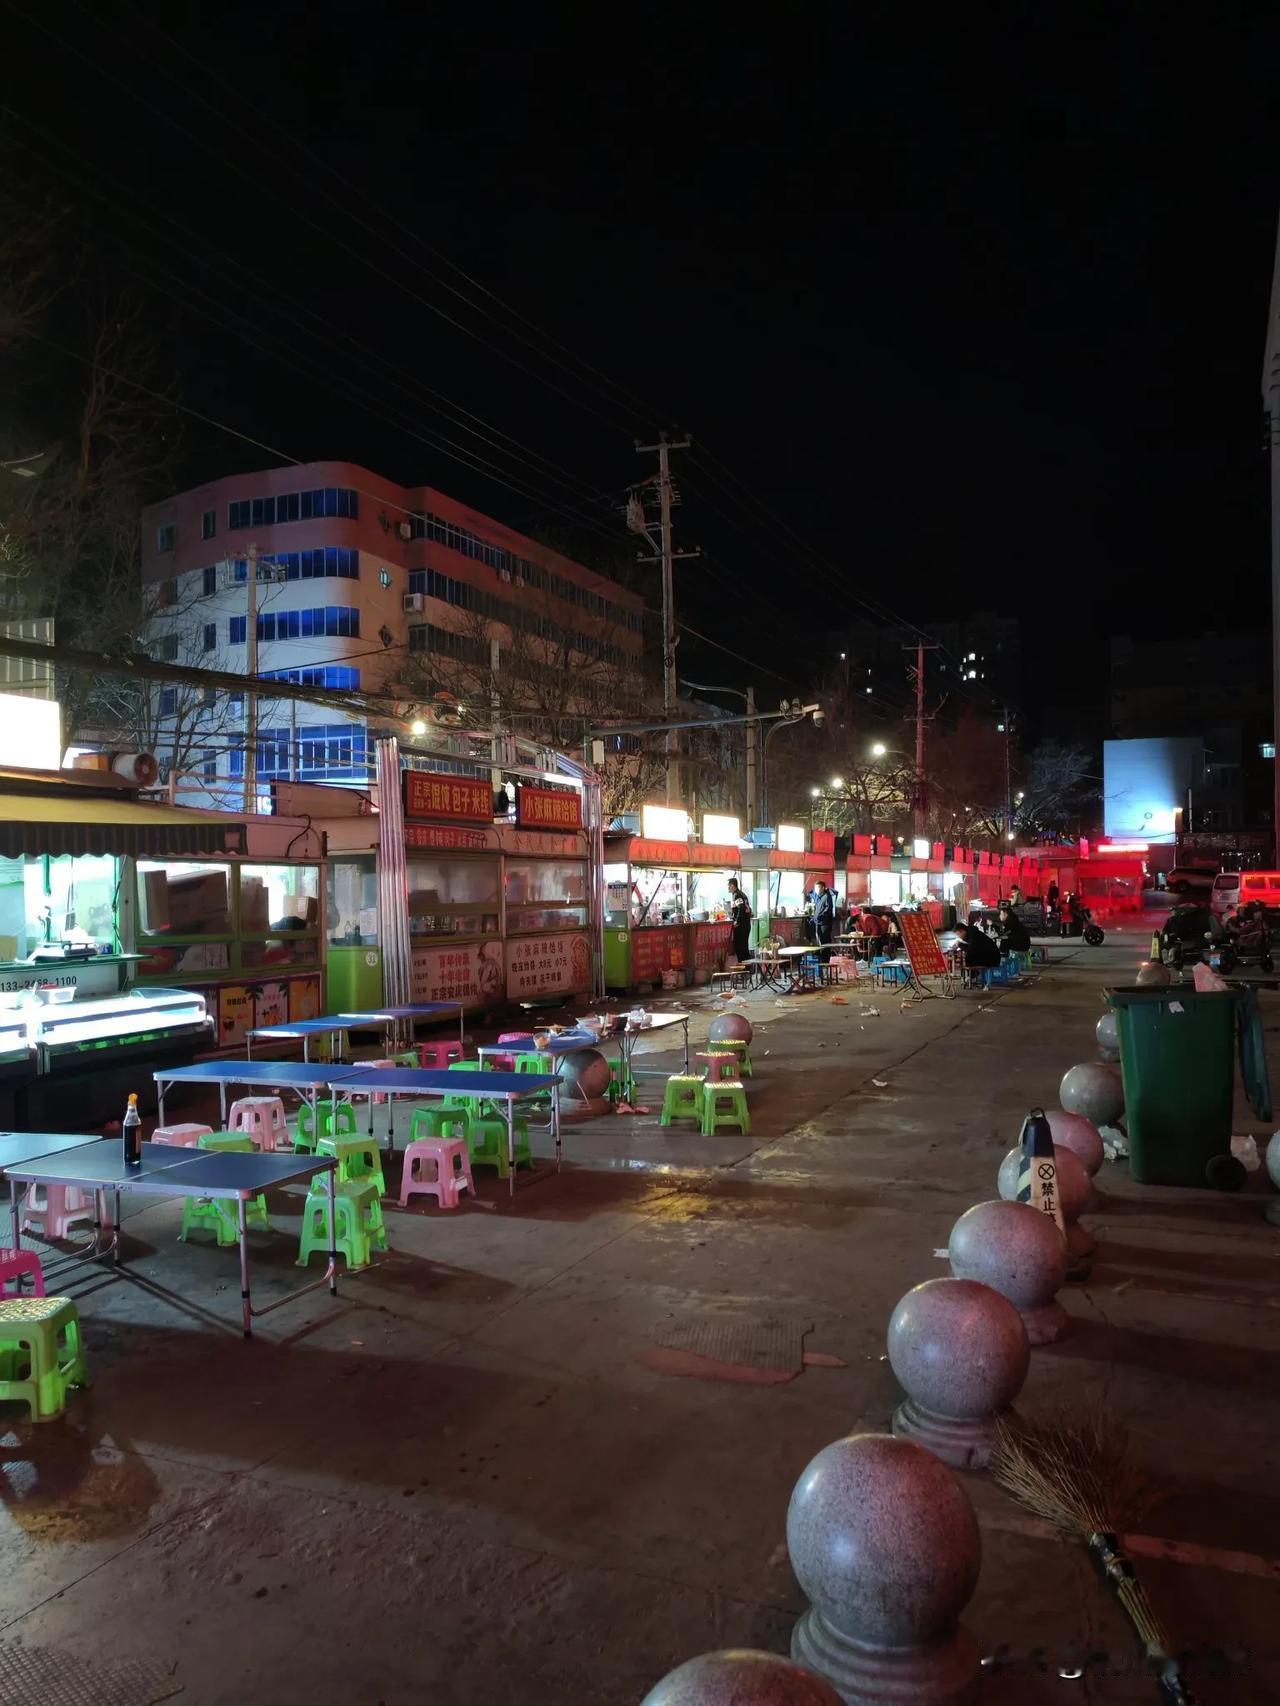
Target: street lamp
[837, 782]
[790, 712]
[879, 749]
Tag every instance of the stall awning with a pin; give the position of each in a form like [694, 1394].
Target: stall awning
[36, 825]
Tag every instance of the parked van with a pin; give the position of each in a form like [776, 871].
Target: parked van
[1232, 889]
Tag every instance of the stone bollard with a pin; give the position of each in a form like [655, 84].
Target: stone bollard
[741, 1677]
[1075, 1193]
[885, 1545]
[730, 1028]
[960, 1353]
[1081, 1136]
[1152, 974]
[1093, 1090]
[1020, 1253]
[1108, 1035]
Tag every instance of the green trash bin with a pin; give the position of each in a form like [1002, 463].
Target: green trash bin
[1177, 1057]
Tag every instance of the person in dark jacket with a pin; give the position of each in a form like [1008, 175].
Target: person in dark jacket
[980, 952]
[824, 914]
[740, 917]
[1014, 936]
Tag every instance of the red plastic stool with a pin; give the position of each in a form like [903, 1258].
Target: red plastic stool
[440, 1055]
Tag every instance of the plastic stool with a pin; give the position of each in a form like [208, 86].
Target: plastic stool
[439, 1055]
[437, 1122]
[357, 1158]
[180, 1136]
[334, 1120]
[739, 1050]
[521, 1039]
[351, 1200]
[682, 1099]
[262, 1119]
[208, 1214]
[453, 1171]
[724, 1104]
[380, 1066]
[722, 1065]
[487, 1141]
[255, 1210]
[41, 1352]
[15, 1263]
[408, 1057]
[52, 1210]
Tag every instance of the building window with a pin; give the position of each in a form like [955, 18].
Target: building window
[167, 648]
[320, 675]
[326, 561]
[237, 630]
[210, 636]
[209, 764]
[168, 701]
[166, 536]
[1267, 749]
[209, 524]
[208, 581]
[384, 577]
[235, 704]
[330, 621]
[444, 642]
[237, 515]
[166, 595]
[295, 506]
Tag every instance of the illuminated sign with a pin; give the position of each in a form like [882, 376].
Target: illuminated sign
[427, 794]
[920, 848]
[791, 837]
[30, 732]
[664, 823]
[548, 808]
[725, 831]
[1122, 847]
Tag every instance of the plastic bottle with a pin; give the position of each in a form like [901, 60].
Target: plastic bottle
[132, 1133]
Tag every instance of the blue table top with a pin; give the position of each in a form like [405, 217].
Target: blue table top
[101, 1162]
[19, 1146]
[416, 1010]
[269, 1074]
[234, 1175]
[307, 1027]
[411, 1080]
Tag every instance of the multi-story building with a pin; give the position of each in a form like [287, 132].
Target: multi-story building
[984, 649]
[362, 587]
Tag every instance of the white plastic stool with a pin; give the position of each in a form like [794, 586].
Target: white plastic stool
[181, 1136]
[453, 1170]
[262, 1119]
[51, 1211]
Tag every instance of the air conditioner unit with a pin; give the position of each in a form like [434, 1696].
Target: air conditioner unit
[405, 530]
[411, 601]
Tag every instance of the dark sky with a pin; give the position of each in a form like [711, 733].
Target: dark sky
[959, 317]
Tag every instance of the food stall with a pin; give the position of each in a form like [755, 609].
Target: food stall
[496, 912]
[666, 909]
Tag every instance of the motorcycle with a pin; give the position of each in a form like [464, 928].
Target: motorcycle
[1080, 924]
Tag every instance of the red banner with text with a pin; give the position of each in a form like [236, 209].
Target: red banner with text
[466, 798]
[548, 808]
[923, 950]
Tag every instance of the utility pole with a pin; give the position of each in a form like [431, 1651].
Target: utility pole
[1007, 726]
[667, 556]
[251, 698]
[753, 735]
[918, 790]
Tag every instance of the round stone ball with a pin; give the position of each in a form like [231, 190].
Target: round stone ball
[1011, 1247]
[1273, 1159]
[883, 1540]
[741, 1677]
[1093, 1090]
[1074, 1132]
[1153, 975]
[585, 1072]
[729, 1028]
[958, 1348]
[1107, 1031]
[1074, 1187]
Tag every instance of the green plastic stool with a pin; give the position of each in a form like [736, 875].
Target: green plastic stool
[255, 1210]
[407, 1057]
[682, 1099]
[357, 1158]
[438, 1122]
[487, 1142]
[335, 1120]
[208, 1214]
[714, 1046]
[724, 1104]
[351, 1202]
[227, 1143]
[41, 1352]
[370, 1206]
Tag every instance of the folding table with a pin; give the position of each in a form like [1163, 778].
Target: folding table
[306, 1077]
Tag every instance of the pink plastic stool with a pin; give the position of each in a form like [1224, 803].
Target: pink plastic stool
[52, 1210]
[522, 1039]
[262, 1119]
[14, 1263]
[181, 1136]
[439, 1055]
[453, 1170]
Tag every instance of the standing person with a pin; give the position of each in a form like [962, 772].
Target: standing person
[740, 918]
[1015, 896]
[824, 915]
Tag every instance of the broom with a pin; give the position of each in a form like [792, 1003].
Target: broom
[1081, 1477]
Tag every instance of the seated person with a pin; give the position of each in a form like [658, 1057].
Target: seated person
[980, 952]
[871, 924]
[1014, 936]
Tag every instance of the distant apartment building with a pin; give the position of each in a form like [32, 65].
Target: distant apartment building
[363, 586]
[983, 648]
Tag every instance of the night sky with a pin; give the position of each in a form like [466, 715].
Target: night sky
[959, 318]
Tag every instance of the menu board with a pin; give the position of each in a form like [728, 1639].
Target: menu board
[655, 951]
[472, 974]
[548, 965]
[711, 945]
[548, 808]
[927, 959]
[428, 794]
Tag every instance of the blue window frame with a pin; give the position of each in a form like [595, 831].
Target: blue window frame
[343, 501]
[320, 675]
[237, 630]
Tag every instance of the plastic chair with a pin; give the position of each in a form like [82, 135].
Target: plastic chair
[180, 1136]
[41, 1353]
[262, 1119]
[437, 1122]
[357, 1158]
[487, 1141]
[335, 1119]
[439, 1056]
[14, 1264]
[722, 1065]
[682, 1098]
[50, 1211]
[724, 1104]
[353, 1242]
[739, 1050]
[452, 1162]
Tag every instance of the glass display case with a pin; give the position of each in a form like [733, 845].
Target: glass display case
[546, 894]
[452, 898]
[140, 1016]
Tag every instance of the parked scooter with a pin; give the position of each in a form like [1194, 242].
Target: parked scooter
[1073, 918]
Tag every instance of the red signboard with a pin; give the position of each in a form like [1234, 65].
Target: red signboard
[779, 860]
[656, 951]
[548, 808]
[427, 794]
[711, 945]
[823, 841]
[444, 835]
[926, 956]
[682, 854]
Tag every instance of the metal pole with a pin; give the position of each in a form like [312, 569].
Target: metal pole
[1008, 776]
[668, 622]
[919, 799]
[753, 736]
[251, 670]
